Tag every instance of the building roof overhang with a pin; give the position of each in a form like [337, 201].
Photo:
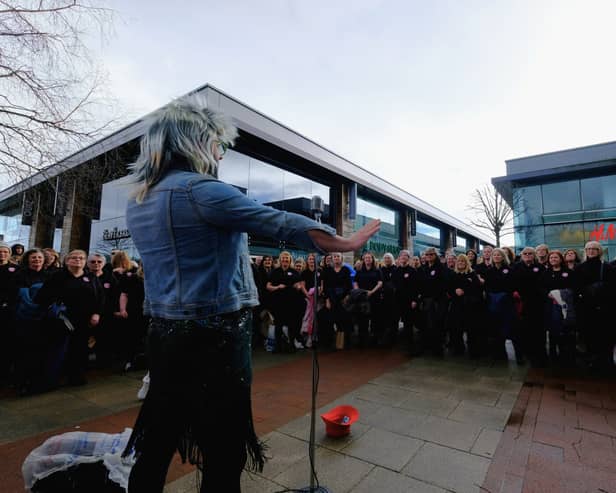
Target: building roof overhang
[268, 129]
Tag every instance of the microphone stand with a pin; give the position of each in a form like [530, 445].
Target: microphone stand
[315, 377]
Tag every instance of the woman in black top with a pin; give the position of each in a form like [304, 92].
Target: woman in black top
[557, 283]
[406, 289]
[131, 309]
[387, 317]
[336, 285]
[465, 293]
[596, 287]
[288, 303]
[370, 279]
[82, 295]
[30, 325]
[531, 326]
[499, 289]
[434, 302]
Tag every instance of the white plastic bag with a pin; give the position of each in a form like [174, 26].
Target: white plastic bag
[61, 452]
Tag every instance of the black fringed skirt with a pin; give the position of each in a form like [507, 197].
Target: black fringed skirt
[200, 378]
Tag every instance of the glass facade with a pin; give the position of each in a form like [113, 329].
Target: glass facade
[567, 214]
[427, 236]
[260, 181]
[388, 238]
[13, 231]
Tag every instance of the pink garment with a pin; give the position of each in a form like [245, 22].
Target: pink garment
[308, 320]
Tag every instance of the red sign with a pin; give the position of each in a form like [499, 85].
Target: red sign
[603, 233]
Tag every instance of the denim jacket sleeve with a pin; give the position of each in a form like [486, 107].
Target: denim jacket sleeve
[223, 205]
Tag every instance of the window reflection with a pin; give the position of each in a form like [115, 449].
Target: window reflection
[388, 238]
[527, 205]
[599, 192]
[561, 197]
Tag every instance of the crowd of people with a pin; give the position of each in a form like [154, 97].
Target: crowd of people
[553, 306]
[60, 316]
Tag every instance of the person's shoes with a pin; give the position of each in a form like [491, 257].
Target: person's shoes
[128, 366]
[298, 345]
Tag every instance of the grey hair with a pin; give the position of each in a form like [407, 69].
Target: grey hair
[389, 255]
[97, 255]
[183, 130]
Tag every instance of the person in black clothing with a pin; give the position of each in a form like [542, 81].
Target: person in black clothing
[406, 291]
[82, 295]
[30, 327]
[104, 331]
[132, 295]
[531, 323]
[8, 275]
[388, 317]
[337, 285]
[498, 286]
[596, 286]
[465, 292]
[557, 283]
[472, 257]
[288, 303]
[369, 278]
[434, 302]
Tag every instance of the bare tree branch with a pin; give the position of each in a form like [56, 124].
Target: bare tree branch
[52, 93]
[491, 212]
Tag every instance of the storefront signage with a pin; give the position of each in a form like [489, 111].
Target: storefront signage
[603, 232]
[115, 234]
[379, 248]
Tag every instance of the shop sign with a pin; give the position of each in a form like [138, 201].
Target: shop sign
[603, 232]
[115, 234]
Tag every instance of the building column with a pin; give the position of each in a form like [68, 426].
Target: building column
[42, 227]
[75, 226]
[344, 225]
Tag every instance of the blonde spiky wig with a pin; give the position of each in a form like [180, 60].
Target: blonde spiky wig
[182, 131]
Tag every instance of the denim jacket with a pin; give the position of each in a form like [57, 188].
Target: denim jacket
[191, 233]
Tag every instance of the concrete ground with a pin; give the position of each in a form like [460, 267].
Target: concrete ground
[426, 425]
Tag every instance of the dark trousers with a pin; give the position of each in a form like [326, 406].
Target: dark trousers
[433, 312]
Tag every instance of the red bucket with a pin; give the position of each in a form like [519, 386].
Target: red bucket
[338, 421]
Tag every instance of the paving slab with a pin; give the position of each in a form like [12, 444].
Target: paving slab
[453, 470]
[380, 479]
[485, 416]
[383, 448]
[338, 472]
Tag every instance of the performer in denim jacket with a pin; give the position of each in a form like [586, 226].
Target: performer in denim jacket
[191, 233]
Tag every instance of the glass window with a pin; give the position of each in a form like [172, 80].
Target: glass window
[13, 231]
[388, 238]
[265, 183]
[110, 234]
[528, 236]
[115, 197]
[599, 192]
[234, 169]
[433, 232]
[460, 243]
[564, 235]
[561, 197]
[527, 206]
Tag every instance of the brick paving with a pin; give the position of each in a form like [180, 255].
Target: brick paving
[457, 425]
[281, 393]
[560, 437]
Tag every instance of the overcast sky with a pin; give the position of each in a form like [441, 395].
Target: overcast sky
[431, 95]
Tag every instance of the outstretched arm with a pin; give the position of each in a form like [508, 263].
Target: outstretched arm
[335, 243]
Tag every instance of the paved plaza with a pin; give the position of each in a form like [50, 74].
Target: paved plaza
[426, 425]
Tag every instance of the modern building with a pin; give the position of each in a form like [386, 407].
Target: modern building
[80, 201]
[563, 198]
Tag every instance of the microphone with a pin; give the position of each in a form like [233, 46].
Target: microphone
[317, 206]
